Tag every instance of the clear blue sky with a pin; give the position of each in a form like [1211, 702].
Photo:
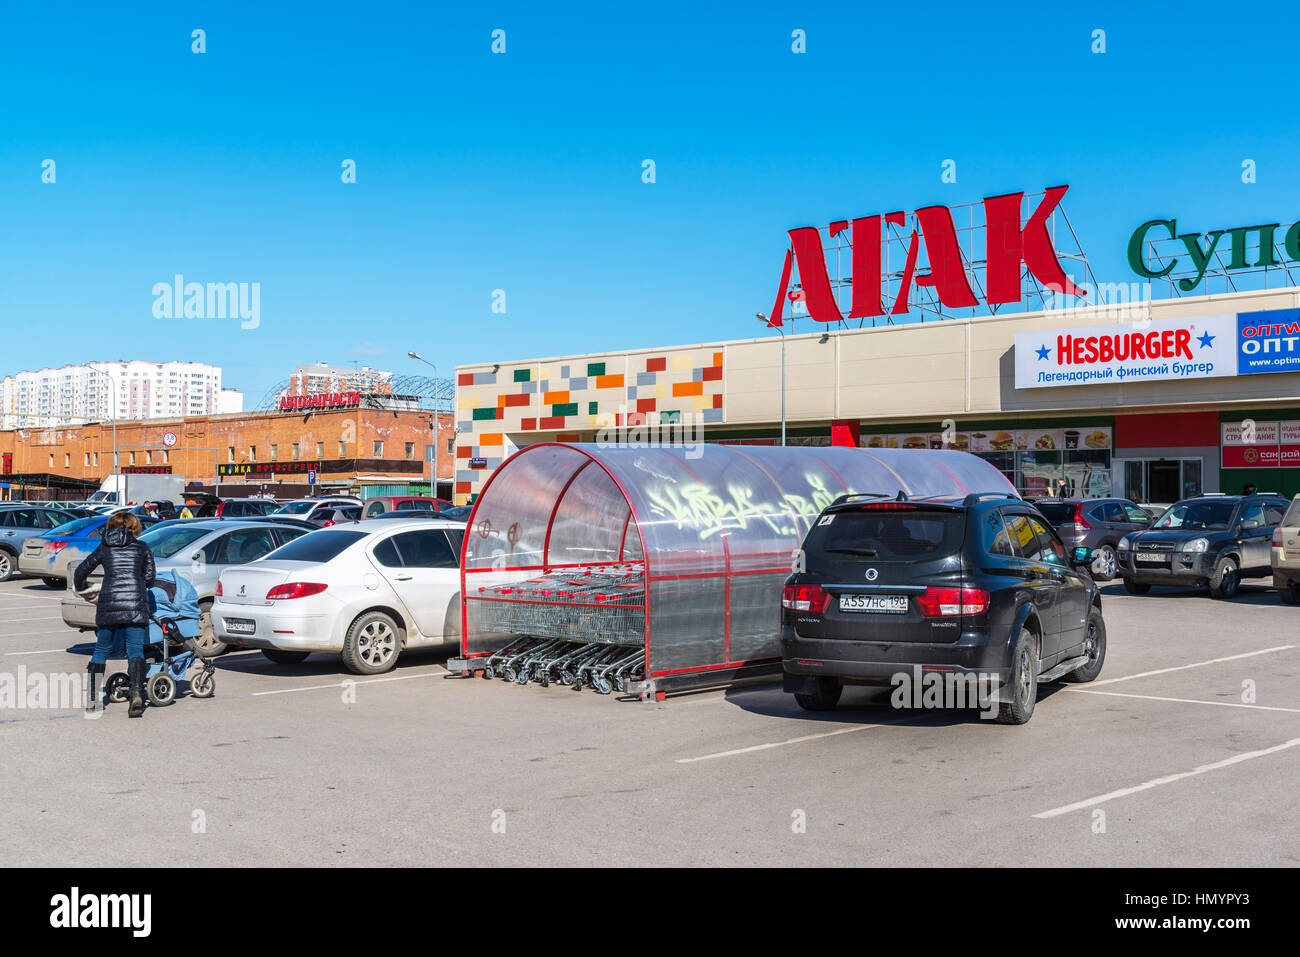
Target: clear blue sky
[522, 171]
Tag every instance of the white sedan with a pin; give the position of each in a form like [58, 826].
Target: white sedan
[363, 590]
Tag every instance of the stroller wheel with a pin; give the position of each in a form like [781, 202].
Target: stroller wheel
[204, 684]
[117, 687]
[545, 679]
[162, 690]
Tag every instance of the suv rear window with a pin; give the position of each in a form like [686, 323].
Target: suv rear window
[316, 547]
[1058, 513]
[887, 534]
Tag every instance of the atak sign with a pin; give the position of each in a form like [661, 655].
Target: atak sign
[1008, 244]
[320, 400]
[1202, 347]
[1203, 247]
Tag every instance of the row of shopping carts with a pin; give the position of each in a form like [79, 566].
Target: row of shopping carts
[605, 605]
[602, 667]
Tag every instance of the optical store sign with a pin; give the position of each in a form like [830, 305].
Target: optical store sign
[1204, 347]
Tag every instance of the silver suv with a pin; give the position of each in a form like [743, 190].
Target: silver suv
[1286, 554]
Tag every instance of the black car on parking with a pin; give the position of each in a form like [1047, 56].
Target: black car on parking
[980, 585]
[1208, 541]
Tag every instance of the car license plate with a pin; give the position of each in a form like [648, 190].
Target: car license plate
[893, 604]
[1159, 557]
[240, 626]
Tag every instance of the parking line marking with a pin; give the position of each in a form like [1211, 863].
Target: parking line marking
[1195, 664]
[48, 651]
[30, 634]
[1221, 704]
[343, 684]
[798, 740]
[1167, 779]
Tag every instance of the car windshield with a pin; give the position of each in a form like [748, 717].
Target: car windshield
[167, 541]
[1198, 515]
[72, 528]
[315, 547]
[1058, 513]
[888, 534]
[295, 508]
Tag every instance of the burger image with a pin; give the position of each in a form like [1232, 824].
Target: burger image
[1002, 441]
[961, 442]
[1045, 442]
[891, 442]
[915, 442]
[1097, 440]
[875, 442]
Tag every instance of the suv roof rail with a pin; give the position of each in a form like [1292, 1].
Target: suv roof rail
[974, 498]
[848, 496]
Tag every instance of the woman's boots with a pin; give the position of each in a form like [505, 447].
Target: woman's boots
[94, 685]
[135, 675]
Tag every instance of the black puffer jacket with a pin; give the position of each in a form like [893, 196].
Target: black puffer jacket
[128, 576]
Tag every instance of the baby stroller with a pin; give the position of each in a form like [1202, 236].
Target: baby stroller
[170, 649]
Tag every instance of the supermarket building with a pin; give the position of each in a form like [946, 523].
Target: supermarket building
[1173, 398]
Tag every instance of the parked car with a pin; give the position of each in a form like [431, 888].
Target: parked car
[1209, 541]
[334, 514]
[282, 520]
[306, 508]
[199, 550]
[1095, 523]
[365, 591]
[388, 503]
[1286, 554]
[18, 523]
[407, 513]
[234, 508]
[50, 555]
[459, 513]
[979, 585]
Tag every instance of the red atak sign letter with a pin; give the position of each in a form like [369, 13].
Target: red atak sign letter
[1007, 244]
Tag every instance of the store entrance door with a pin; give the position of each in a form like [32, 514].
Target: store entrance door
[1162, 481]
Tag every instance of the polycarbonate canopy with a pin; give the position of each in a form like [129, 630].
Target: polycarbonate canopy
[716, 526]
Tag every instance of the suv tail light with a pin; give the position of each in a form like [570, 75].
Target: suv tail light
[804, 598]
[1079, 519]
[294, 590]
[951, 602]
[1277, 537]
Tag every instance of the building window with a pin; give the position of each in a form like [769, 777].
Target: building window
[343, 450]
[451, 446]
[133, 458]
[148, 458]
[320, 450]
[230, 453]
[96, 460]
[410, 450]
[67, 460]
[275, 453]
[252, 453]
[167, 458]
[295, 451]
[51, 460]
[87, 458]
[379, 450]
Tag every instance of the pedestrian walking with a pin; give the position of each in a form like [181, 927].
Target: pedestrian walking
[122, 612]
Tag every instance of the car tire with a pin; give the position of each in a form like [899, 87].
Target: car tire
[207, 644]
[1290, 594]
[1226, 578]
[825, 698]
[8, 564]
[1022, 688]
[1105, 566]
[372, 644]
[58, 583]
[1094, 647]
[1136, 588]
[285, 657]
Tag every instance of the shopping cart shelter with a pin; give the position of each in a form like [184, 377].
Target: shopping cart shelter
[648, 569]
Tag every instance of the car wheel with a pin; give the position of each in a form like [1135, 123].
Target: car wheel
[1290, 594]
[372, 644]
[1226, 578]
[207, 643]
[285, 657]
[1136, 588]
[1094, 646]
[7, 565]
[1022, 689]
[825, 698]
[1104, 565]
[58, 583]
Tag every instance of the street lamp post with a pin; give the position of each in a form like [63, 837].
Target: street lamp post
[762, 318]
[433, 481]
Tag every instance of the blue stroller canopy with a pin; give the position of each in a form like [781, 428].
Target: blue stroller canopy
[172, 596]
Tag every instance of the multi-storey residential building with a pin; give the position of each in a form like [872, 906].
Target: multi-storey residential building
[99, 391]
[313, 379]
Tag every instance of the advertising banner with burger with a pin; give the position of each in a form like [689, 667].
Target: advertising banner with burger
[993, 440]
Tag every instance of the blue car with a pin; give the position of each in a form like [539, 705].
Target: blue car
[50, 554]
[18, 523]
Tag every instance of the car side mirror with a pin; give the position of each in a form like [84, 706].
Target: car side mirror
[1083, 555]
[1250, 523]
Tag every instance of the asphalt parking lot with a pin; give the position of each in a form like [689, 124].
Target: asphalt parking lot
[1168, 759]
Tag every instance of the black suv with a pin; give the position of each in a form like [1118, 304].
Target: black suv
[1210, 540]
[980, 586]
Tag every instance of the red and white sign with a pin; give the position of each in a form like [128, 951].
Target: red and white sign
[1289, 437]
[169, 439]
[320, 400]
[1248, 444]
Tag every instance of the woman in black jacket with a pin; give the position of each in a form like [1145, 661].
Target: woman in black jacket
[122, 615]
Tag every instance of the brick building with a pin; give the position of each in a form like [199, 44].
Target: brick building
[354, 447]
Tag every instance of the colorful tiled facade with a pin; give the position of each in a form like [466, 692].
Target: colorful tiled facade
[572, 399]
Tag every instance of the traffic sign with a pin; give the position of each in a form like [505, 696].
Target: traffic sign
[169, 439]
[311, 477]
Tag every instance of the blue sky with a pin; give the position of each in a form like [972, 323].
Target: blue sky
[522, 171]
